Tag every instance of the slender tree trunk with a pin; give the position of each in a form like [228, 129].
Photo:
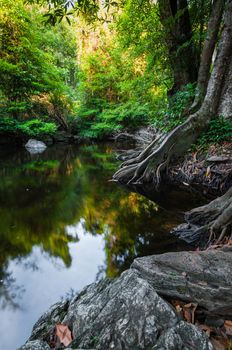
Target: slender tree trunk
[182, 52]
[207, 52]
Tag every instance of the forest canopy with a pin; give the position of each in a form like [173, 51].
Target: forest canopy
[95, 69]
[100, 69]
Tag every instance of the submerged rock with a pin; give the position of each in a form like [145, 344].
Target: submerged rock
[203, 277]
[34, 146]
[125, 313]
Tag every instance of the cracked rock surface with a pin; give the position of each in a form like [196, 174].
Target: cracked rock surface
[125, 313]
[202, 277]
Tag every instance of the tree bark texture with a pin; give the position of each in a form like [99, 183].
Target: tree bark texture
[225, 107]
[175, 18]
[155, 160]
[207, 51]
[209, 224]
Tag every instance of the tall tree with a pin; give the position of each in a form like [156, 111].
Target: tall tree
[214, 89]
[174, 15]
[153, 161]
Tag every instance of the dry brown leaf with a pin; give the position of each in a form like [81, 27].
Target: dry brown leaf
[178, 308]
[188, 305]
[206, 329]
[228, 327]
[64, 334]
[188, 315]
[208, 172]
[228, 323]
[191, 310]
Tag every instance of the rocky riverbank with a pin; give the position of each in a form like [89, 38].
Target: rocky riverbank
[142, 309]
[132, 311]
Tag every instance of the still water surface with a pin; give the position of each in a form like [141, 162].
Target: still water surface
[63, 225]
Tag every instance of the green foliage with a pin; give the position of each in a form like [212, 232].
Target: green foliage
[176, 110]
[30, 128]
[60, 10]
[37, 127]
[219, 130]
[8, 125]
[37, 63]
[117, 89]
[123, 72]
[99, 124]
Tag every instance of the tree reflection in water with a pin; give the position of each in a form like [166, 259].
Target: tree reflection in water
[41, 196]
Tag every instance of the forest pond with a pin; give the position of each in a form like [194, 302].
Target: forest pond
[63, 225]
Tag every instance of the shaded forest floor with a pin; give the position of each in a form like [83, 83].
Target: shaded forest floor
[208, 170]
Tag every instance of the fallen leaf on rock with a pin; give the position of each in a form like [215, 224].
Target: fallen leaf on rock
[189, 312]
[178, 309]
[178, 306]
[64, 334]
[228, 327]
[187, 315]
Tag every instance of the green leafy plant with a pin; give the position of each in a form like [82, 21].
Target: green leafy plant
[176, 110]
[37, 63]
[8, 125]
[220, 130]
[98, 124]
[36, 127]
[31, 128]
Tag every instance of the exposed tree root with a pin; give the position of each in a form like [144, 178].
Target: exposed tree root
[214, 220]
[143, 154]
[154, 159]
[209, 224]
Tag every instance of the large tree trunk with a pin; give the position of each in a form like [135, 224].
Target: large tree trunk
[153, 162]
[149, 165]
[175, 18]
[225, 107]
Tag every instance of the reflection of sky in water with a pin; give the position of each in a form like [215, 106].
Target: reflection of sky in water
[62, 224]
[48, 282]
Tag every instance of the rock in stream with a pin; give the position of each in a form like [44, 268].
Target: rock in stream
[34, 146]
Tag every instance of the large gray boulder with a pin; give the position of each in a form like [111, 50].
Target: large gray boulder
[125, 313]
[203, 277]
[34, 146]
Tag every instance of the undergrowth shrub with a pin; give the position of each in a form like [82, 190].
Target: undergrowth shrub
[30, 128]
[219, 130]
[93, 123]
[175, 111]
